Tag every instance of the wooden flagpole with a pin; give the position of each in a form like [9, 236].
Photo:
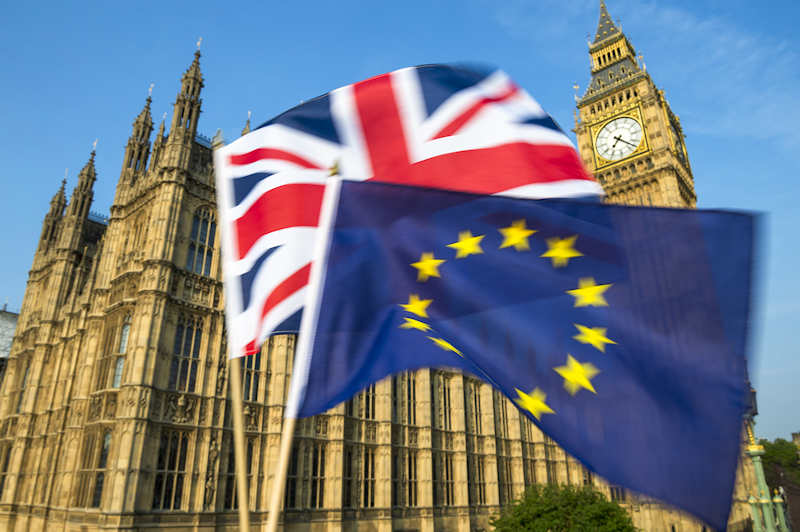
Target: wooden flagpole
[305, 342]
[235, 379]
[278, 482]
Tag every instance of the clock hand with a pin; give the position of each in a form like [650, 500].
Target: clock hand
[625, 141]
[616, 139]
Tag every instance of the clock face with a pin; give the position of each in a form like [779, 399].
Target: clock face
[619, 138]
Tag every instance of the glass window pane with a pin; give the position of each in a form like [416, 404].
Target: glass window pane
[195, 225]
[176, 505]
[118, 372]
[178, 338]
[192, 376]
[211, 234]
[173, 373]
[190, 258]
[98, 490]
[201, 238]
[169, 478]
[157, 490]
[123, 338]
[207, 269]
[197, 338]
[183, 374]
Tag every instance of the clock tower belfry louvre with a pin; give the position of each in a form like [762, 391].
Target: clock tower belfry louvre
[114, 411]
[627, 134]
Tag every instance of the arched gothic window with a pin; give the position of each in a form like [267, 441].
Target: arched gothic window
[201, 243]
[183, 371]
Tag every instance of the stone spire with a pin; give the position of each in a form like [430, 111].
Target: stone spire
[78, 208]
[605, 25]
[246, 128]
[187, 104]
[59, 200]
[138, 148]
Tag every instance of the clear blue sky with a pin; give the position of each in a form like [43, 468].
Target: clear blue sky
[76, 71]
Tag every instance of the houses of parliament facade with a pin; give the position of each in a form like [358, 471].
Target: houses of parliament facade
[115, 412]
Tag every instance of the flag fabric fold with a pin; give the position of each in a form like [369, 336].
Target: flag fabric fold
[435, 125]
[620, 331]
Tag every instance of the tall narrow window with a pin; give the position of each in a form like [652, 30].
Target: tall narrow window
[119, 364]
[290, 497]
[183, 371]
[22, 384]
[201, 243]
[368, 495]
[230, 500]
[170, 471]
[91, 476]
[368, 401]
[252, 371]
[617, 493]
[347, 487]
[101, 471]
[317, 476]
[5, 455]
[411, 478]
[411, 398]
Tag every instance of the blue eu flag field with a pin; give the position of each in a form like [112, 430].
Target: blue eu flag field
[620, 331]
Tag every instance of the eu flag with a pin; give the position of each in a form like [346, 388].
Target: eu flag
[620, 331]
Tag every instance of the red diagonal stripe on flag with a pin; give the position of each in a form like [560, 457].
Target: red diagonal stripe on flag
[259, 154]
[293, 205]
[461, 120]
[493, 170]
[287, 287]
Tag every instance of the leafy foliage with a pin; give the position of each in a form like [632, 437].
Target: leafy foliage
[782, 456]
[551, 508]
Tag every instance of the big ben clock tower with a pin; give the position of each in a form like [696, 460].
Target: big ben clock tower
[627, 134]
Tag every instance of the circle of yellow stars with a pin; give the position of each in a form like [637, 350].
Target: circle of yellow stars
[577, 375]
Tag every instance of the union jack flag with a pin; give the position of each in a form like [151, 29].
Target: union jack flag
[434, 126]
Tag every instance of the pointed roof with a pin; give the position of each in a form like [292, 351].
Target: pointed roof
[605, 25]
[88, 174]
[194, 69]
[144, 115]
[59, 199]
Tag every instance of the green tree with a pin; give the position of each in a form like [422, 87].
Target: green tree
[551, 508]
[781, 460]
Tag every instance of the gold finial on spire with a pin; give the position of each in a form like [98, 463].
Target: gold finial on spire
[249, 114]
[199, 42]
[164, 116]
[94, 145]
[576, 87]
[150, 89]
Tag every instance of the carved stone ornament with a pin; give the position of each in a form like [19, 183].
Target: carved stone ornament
[251, 417]
[181, 408]
[95, 407]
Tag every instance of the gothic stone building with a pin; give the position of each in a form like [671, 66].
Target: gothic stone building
[115, 414]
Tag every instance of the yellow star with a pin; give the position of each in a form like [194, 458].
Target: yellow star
[577, 375]
[561, 250]
[428, 266]
[533, 403]
[467, 244]
[444, 344]
[596, 336]
[516, 235]
[417, 306]
[411, 323]
[589, 294]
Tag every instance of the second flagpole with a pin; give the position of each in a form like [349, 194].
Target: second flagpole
[305, 344]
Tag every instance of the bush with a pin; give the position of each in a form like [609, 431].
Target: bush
[548, 508]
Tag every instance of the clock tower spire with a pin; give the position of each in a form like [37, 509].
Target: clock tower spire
[627, 134]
